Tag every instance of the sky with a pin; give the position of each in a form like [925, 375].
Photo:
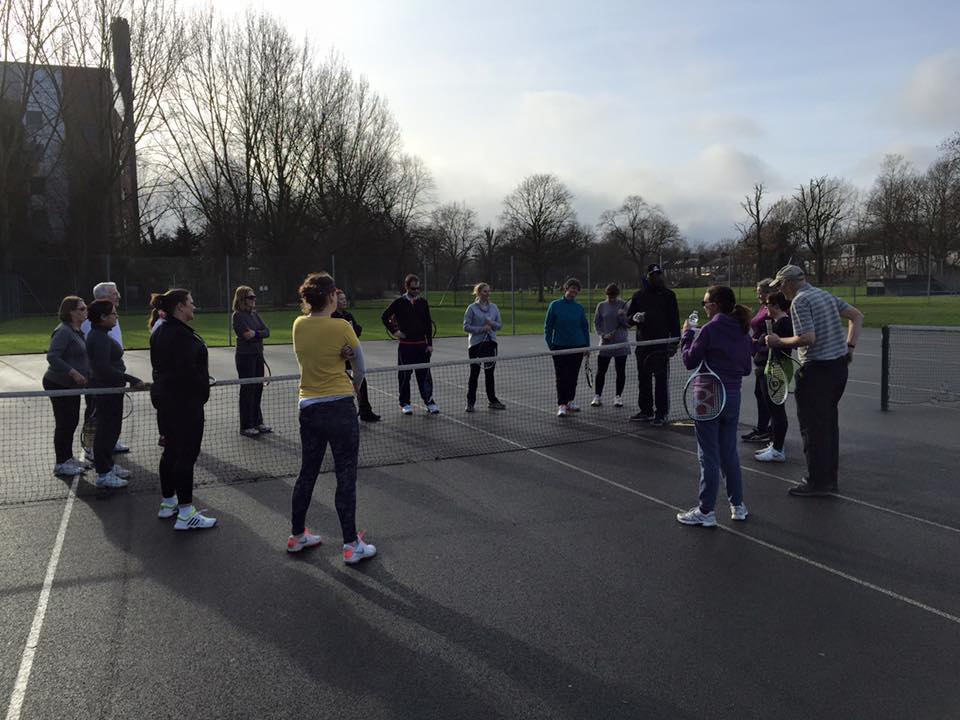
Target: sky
[687, 103]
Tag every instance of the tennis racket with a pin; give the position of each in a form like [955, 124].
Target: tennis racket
[267, 373]
[588, 370]
[704, 396]
[779, 375]
[489, 364]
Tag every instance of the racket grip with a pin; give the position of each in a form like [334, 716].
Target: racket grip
[769, 324]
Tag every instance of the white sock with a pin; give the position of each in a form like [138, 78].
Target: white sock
[185, 510]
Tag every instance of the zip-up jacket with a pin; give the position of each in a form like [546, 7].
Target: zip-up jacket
[566, 325]
[68, 351]
[243, 321]
[180, 367]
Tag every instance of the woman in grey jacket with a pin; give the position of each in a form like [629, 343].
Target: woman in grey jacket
[251, 331]
[610, 323]
[67, 369]
[481, 321]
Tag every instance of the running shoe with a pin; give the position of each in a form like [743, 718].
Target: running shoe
[738, 512]
[770, 454]
[69, 468]
[618, 401]
[194, 520]
[358, 550]
[307, 539]
[496, 405]
[250, 432]
[167, 510]
[110, 480]
[469, 408]
[641, 417]
[596, 402]
[562, 411]
[264, 429]
[120, 472]
[120, 448]
[572, 406]
[432, 408]
[406, 409]
[695, 517]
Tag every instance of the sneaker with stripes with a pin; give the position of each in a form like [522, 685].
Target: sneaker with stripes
[193, 520]
[358, 550]
[305, 540]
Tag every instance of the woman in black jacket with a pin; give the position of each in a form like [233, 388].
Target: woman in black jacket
[181, 387]
[107, 370]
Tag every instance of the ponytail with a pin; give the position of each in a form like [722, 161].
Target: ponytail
[742, 314]
[163, 304]
[726, 299]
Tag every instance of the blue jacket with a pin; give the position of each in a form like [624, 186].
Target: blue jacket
[725, 347]
[566, 325]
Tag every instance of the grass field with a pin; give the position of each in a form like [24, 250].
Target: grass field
[31, 334]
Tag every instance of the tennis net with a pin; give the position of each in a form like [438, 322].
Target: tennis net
[920, 365]
[524, 383]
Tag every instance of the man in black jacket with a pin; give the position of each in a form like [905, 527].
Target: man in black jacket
[653, 311]
[408, 320]
[363, 398]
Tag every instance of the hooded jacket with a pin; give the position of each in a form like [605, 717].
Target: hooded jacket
[725, 347]
[662, 314]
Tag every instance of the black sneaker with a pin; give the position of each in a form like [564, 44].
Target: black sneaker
[756, 436]
[369, 416]
[805, 489]
[496, 405]
[658, 422]
[469, 408]
[642, 417]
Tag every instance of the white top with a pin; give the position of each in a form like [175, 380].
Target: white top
[114, 332]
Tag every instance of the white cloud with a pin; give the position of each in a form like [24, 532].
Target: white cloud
[932, 93]
[726, 125]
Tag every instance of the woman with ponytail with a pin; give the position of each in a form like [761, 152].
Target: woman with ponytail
[181, 387]
[724, 342]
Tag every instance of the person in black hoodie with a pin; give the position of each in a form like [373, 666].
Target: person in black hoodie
[181, 387]
[107, 370]
[363, 397]
[653, 311]
[408, 320]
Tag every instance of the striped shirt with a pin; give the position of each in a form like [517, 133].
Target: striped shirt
[817, 310]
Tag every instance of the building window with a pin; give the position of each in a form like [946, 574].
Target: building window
[38, 185]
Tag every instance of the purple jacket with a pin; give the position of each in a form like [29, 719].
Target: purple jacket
[724, 346]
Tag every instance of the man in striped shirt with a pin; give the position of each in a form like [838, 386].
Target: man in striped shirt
[825, 349]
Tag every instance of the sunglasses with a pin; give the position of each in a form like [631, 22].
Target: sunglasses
[707, 302]
[250, 297]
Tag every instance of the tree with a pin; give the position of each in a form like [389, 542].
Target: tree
[888, 208]
[641, 230]
[487, 253]
[753, 206]
[538, 216]
[455, 227]
[821, 207]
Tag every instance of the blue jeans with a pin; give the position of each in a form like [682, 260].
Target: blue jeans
[717, 450]
[332, 422]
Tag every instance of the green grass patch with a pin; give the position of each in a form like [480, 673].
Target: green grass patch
[32, 334]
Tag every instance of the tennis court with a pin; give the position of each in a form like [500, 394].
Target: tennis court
[518, 578]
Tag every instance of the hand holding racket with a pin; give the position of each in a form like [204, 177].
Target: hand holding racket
[704, 396]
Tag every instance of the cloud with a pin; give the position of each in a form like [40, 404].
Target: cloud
[726, 125]
[931, 95]
[725, 168]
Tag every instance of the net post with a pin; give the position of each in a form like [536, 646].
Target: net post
[885, 370]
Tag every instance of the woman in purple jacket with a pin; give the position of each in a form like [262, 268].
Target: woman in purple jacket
[724, 342]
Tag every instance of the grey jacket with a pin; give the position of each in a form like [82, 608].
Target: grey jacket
[608, 320]
[474, 318]
[243, 321]
[67, 352]
[107, 368]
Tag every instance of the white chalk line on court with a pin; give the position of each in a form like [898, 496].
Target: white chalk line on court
[19, 693]
[762, 543]
[746, 468]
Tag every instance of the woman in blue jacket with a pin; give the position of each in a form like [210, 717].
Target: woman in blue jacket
[566, 327]
[724, 342]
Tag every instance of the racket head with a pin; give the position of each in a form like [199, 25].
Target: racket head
[588, 371]
[777, 384]
[267, 372]
[704, 396]
[127, 406]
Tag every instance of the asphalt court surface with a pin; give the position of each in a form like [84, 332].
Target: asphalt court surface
[542, 584]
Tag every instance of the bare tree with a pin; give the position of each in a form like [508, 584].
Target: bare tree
[402, 199]
[641, 230]
[889, 208]
[455, 227]
[821, 207]
[753, 206]
[538, 217]
[487, 253]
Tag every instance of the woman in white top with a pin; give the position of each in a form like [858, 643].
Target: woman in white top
[481, 321]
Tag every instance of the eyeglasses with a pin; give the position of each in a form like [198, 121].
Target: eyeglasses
[250, 297]
[707, 302]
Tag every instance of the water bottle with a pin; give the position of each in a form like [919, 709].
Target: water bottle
[693, 319]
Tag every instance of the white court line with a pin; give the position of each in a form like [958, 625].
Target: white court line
[762, 543]
[747, 468]
[19, 693]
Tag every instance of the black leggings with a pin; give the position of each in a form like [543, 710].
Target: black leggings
[487, 348]
[567, 369]
[620, 364]
[182, 426]
[776, 413]
[66, 417]
[108, 418]
[250, 365]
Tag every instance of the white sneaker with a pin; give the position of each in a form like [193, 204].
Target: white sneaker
[407, 410]
[307, 539]
[110, 480]
[572, 406]
[249, 432]
[738, 512]
[69, 468]
[120, 448]
[358, 550]
[562, 411]
[695, 517]
[120, 472]
[195, 520]
[264, 429]
[770, 455]
[618, 401]
[167, 510]
[432, 408]
[596, 402]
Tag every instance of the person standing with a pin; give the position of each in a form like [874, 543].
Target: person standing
[565, 327]
[67, 369]
[408, 319]
[824, 350]
[251, 331]
[181, 387]
[363, 398]
[724, 342]
[481, 321]
[610, 322]
[327, 414]
[103, 291]
[107, 370]
[761, 432]
[777, 306]
[653, 310]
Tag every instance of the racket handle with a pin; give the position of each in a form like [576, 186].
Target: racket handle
[769, 324]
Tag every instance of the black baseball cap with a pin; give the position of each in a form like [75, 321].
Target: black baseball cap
[654, 268]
